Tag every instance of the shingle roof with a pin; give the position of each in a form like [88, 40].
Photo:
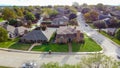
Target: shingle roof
[66, 30]
[21, 29]
[9, 28]
[116, 13]
[101, 16]
[35, 35]
[60, 20]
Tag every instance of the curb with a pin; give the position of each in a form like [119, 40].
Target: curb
[57, 53]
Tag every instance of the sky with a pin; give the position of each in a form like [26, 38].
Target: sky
[55, 2]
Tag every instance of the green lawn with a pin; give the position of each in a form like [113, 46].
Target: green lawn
[110, 37]
[14, 44]
[20, 46]
[89, 46]
[51, 46]
[7, 43]
[1, 19]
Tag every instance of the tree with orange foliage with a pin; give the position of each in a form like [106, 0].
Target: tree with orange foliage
[91, 16]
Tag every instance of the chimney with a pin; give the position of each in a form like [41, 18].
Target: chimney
[78, 36]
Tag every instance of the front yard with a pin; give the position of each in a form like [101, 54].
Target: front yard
[20, 46]
[89, 46]
[14, 44]
[1, 19]
[8, 43]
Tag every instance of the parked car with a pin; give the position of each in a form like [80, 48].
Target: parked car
[29, 65]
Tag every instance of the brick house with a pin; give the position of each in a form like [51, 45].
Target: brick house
[66, 34]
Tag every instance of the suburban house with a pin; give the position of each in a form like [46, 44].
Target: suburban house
[61, 21]
[60, 10]
[10, 29]
[67, 34]
[34, 36]
[102, 17]
[15, 31]
[116, 14]
[2, 23]
[56, 22]
[111, 31]
[20, 31]
[37, 36]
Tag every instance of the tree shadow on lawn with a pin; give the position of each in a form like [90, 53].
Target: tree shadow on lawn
[20, 46]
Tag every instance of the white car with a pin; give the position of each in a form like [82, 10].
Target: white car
[29, 65]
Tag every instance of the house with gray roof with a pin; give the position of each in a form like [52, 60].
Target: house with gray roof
[15, 31]
[38, 36]
[19, 31]
[116, 14]
[34, 36]
[60, 21]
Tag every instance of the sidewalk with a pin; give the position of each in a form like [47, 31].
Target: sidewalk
[59, 53]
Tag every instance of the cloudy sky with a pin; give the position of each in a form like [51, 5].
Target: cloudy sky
[56, 2]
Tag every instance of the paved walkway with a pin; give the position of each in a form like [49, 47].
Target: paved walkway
[70, 47]
[35, 44]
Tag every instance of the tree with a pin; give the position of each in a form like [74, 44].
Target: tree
[43, 27]
[98, 61]
[100, 6]
[94, 61]
[73, 9]
[75, 4]
[18, 11]
[47, 12]
[9, 14]
[99, 24]
[117, 34]
[72, 16]
[85, 10]
[113, 23]
[37, 15]
[29, 16]
[87, 17]
[13, 22]
[91, 16]
[84, 5]
[3, 35]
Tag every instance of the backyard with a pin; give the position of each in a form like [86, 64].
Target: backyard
[89, 46]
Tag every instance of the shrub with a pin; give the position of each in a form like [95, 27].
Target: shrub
[117, 35]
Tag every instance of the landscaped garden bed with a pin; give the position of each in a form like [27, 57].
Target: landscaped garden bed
[89, 46]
